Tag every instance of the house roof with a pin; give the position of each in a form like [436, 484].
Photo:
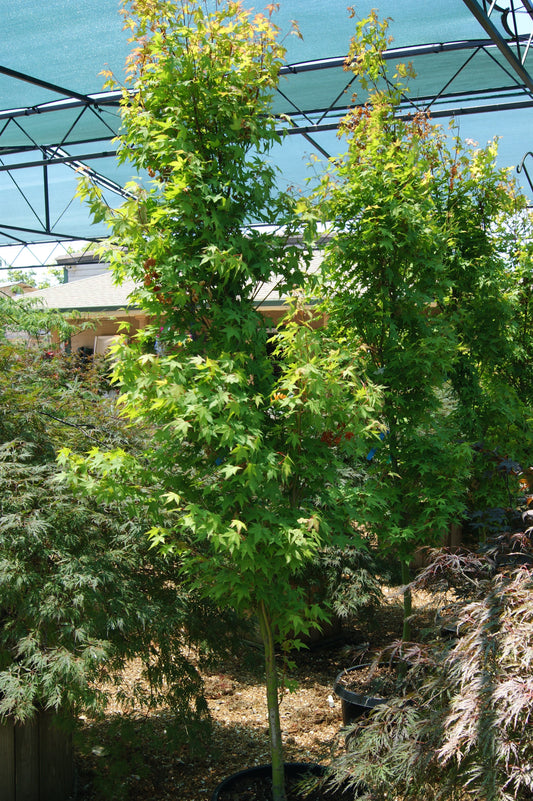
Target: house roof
[101, 293]
[97, 293]
[16, 288]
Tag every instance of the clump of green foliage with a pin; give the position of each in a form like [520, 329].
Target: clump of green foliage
[502, 434]
[81, 592]
[347, 580]
[26, 318]
[414, 268]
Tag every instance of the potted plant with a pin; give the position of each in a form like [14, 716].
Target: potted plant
[413, 267]
[466, 733]
[364, 686]
[303, 780]
[244, 475]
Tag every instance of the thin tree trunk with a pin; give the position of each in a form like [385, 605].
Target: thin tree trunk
[274, 726]
[407, 603]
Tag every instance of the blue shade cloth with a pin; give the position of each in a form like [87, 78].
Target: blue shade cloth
[52, 55]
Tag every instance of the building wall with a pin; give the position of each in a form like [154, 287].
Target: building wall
[97, 337]
[75, 272]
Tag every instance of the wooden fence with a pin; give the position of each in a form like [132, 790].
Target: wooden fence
[36, 761]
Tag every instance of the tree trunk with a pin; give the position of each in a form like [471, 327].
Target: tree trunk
[407, 603]
[274, 727]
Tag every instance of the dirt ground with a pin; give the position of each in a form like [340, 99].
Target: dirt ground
[137, 766]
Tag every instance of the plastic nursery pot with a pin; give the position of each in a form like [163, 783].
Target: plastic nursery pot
[354, 704]
[446, 619]
[255, 783]
[514, 559]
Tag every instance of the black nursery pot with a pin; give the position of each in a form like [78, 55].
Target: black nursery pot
[447, 622]
[255, 783]
[354, 705]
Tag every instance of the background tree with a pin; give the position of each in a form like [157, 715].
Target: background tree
[497, 389]
[412, 270]
[241, 455]
[515, 240]
[53, 275]
[26, 319]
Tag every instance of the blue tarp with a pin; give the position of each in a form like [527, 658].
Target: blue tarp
[52, 54]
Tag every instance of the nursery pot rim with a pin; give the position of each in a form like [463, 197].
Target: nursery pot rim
[449, 625]
[258, 771]
[360, 699]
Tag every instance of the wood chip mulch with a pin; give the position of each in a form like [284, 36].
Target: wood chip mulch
[140, 767]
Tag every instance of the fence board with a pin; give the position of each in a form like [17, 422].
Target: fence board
[7, 762]
[36, 761]
[27, 761]
[56, 760]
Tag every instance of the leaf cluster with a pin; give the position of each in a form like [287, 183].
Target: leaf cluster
[25, 317]
[248, 484]
[347, 580]
[197, 117]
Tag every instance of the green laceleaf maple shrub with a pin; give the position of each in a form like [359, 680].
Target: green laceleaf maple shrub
[81, 593]
[244, 474]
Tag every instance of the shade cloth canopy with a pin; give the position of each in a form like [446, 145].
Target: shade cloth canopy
[472, 60]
